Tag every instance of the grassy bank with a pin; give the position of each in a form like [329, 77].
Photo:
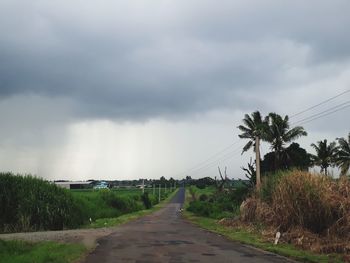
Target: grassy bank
[43, 252]
[254, 238]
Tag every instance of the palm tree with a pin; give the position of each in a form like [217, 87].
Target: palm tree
[279, 134]
[325, 155]
[253, 129]
[343, 155]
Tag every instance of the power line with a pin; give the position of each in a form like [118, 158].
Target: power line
[213, 163]
[216, 154]
[326, 114]
[208, 159]
[216, 162]
[341, 105]
[319, 104]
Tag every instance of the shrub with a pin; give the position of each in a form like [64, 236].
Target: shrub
[203, 197]
[146, 200]
[218, 205]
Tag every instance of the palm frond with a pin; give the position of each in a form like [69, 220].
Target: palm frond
[247, 146]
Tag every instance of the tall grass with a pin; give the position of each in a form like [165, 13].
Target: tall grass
[28, 203]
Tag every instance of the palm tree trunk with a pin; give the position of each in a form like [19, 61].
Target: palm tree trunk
[257, 153]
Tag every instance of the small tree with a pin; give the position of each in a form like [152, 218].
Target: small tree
[221, 186]
[253, 129]
[325, 155]
[279, 134]
[250, 174]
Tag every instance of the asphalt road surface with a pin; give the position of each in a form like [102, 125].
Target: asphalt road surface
[165, 237]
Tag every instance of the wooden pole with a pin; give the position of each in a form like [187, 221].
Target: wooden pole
[159, 194]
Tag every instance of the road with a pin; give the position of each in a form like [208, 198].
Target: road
[166, 237]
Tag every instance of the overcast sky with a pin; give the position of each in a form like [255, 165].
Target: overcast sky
[143, 89]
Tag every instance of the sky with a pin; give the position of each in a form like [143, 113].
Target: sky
[142, 89]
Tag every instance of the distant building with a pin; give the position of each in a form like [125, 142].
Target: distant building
[101, 185]
[74, 185]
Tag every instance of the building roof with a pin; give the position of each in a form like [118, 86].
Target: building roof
[70, 183]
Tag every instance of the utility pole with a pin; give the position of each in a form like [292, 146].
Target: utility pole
[159, 194]
[257, 153]
[154, 188]
[143, 186]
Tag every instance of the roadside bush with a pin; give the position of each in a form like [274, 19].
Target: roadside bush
[28, 203]
[212, 210]
[218, 204]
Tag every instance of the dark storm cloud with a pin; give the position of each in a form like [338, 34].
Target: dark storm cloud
[131, 60]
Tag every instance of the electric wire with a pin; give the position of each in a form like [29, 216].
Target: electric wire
[332, 109]
[326, 114]
[319, 104]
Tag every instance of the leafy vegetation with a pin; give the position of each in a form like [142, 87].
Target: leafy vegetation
[294, 157]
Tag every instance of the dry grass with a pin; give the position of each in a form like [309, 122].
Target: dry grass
[312, 212]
